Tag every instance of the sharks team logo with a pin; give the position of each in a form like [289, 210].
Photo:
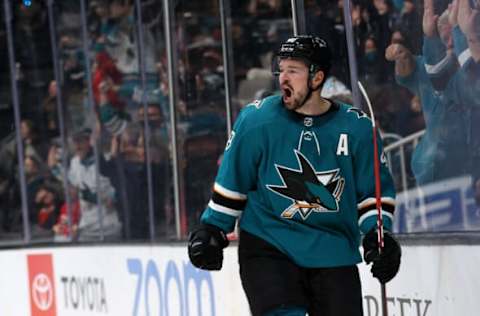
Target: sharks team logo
[309, 190]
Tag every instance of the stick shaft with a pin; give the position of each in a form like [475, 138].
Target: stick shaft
[378, 197]
[378, 193]
[378, 190]
[384, 300]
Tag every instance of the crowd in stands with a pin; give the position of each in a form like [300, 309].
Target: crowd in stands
[113, 192]
[119, 156]
[445, 78]
[439, 94]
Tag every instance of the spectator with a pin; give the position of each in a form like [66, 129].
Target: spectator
[245, 56]
[54, 160]
[44, 197]
[106, 83]
[266, 8]
[96, 202]
[48, 201]
[33, 144]
[120, 42]
[73, 60]
[127, 170]
[446, 141]
[129, 185]
[383, 21]
[209, 80]
[371, 71]
[159, 155]
[50, 115]
[318, 23]
[33, 54]
[66, 228]
[409, 21]
[105, 70]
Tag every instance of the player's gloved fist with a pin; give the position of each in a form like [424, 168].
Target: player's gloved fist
[385, 265]
[205, 247]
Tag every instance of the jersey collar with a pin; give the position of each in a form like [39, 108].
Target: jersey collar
[312, 120]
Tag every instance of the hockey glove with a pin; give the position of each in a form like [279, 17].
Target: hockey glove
[88, 195]
[205, 247]
[385, 265]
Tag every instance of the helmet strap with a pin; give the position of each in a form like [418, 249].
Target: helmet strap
[313, 69]
[310, 90]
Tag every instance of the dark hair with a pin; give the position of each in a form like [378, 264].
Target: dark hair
[82, 134]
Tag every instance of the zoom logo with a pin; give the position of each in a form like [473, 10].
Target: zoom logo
[171, 290]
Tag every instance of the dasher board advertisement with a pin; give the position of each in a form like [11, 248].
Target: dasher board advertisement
[159, 280]
[116, 280]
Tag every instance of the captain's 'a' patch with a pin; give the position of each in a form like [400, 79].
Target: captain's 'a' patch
[309, 190]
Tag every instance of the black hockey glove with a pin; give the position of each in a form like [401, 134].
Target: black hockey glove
[385, 266]
[88, 195]
[205, 247]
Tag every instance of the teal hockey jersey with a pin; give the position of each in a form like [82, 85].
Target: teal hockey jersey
[305, 184]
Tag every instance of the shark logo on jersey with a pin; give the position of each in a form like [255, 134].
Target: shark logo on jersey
[359, 112]
[309, 190]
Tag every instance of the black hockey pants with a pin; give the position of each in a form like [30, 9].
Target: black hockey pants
[271, 281]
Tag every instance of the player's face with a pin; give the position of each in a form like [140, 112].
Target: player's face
[293, 80]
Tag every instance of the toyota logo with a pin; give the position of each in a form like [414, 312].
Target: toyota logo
[42, 292]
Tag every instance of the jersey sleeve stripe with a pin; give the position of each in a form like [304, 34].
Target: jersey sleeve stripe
[223, 209]
[372, 201]
[369, 205]
[229, 193]
[235, 204]
[435, 69]
[464, 57]
[373, 213]
[385, 208]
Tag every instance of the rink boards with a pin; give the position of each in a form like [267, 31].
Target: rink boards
[159, 280]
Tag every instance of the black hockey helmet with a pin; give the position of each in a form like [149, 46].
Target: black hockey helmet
[311, 49]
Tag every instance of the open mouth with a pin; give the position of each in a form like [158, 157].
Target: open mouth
[287, 92]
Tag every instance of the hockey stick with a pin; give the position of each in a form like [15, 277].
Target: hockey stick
[378, 191]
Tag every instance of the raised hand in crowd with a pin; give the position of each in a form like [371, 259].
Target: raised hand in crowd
[114, 146]
[429, 23]
[453, 13]
[356, 15]
[469, 23]
[396, 51]
[403, 58]
[54, 156]
[468, 18]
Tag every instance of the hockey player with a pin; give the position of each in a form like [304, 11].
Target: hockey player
[298, 172]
